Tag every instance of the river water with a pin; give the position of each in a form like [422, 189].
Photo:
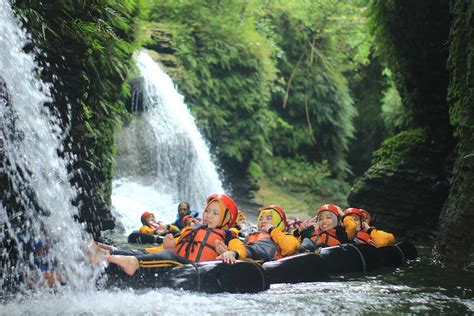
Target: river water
[417, 287]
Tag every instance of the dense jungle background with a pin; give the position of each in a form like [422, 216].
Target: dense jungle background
[362, 103]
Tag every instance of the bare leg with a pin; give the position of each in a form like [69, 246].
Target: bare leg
[129, 264]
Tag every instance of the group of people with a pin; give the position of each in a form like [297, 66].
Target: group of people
[225, 234]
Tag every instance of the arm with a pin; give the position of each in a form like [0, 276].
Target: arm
[351, 227]
[287, 243]
[146, 230]
[236, 245]
[381, 238]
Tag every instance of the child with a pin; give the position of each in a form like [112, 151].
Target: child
[152, 227]
[361, 236]
[190, 221]
[242, 226]
[379, 237]
[198, 244]
[271, 241]
[327, 231]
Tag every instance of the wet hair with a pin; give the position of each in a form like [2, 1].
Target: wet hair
[185, 203]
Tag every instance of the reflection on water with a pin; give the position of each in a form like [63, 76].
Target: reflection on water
[418, 287]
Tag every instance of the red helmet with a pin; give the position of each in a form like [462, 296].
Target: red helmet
[366, 215]
[230, 205]
[329, 207]
[144, 215]
[280, 211]
[355, 211]
[188, 219]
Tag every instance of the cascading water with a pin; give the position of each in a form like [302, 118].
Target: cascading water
[162, 158]
[32, 138]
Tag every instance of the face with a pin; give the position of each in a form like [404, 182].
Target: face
[367, 218]
[211, 215]
[265, 220]
[150, 218]
[356, 220]
[183, 209]
[326, 220]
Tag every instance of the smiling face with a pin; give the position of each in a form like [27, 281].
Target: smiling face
[327, 220]
[212, 215]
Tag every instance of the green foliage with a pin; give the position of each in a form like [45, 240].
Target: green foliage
[85, 49]
[242, 60]
[227, 73]
[393, 112]
[319, 41]
[303, 176]
[397, 148]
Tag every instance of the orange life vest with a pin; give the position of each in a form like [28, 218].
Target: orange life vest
[199, 244]
[265, 244]
[325, 237]
[362, 237]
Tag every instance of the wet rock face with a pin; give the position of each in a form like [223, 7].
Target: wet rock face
[455, 245]
[406, 201]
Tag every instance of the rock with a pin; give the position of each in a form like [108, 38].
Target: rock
[404, 189]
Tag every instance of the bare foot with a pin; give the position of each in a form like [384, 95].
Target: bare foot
[105, 246]
[129, 264]
[169, 242]
[97, 255]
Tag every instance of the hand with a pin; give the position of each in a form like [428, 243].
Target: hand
[371, 242]
[228, 257]
[365, 226]
[221, 247]
[169, 242]
[161, 229]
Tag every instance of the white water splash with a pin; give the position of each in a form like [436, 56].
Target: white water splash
[32, 138]
[162, 158]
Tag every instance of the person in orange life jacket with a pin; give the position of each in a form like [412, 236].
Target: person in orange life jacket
[361, 237]
[271, 241]
[325, 229]
[152, 227]
[183, 210]
[198, 244]
[379, 237]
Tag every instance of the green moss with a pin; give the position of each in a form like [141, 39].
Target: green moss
[397, 148]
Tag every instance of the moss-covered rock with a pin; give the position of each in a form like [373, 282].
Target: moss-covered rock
[454, 245]
[404, 188]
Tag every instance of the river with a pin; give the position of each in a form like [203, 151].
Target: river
[417, 287]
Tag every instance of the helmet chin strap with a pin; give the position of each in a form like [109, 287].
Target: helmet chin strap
[225, 213]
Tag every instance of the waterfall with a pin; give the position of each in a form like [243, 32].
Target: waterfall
[162, 158]
[32, 137]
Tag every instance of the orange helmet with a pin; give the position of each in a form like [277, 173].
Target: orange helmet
[331, 208]
[230, 213]
[280, 223]
[188, 219]
[354, 211]
[145, 215]
[366, 215]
